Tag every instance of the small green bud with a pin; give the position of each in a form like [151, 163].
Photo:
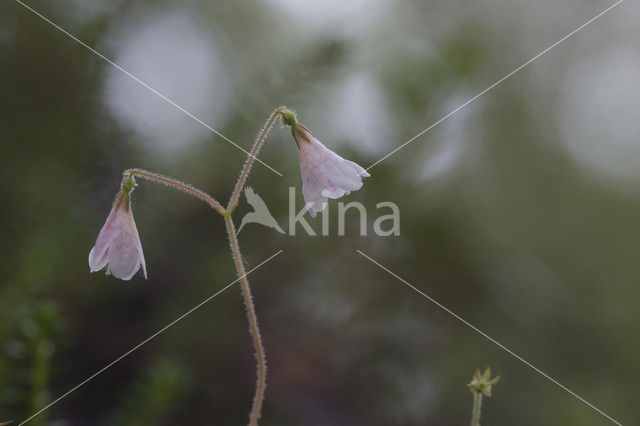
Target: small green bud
[289, 118]
[128, 184]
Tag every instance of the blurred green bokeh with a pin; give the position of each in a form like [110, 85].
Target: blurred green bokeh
[521, 212]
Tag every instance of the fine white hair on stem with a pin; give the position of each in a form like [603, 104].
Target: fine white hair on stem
[239, 262]
[174, 183]
[255, 149]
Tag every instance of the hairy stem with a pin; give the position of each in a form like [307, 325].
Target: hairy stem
[244, 174]
[254, 329]
[174, 183]
[253, 324]
[477, 406]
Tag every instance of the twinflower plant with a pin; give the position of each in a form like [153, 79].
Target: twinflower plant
[324, 175]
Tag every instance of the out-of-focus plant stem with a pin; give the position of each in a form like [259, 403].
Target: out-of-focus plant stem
[39, 377]
[477, 407]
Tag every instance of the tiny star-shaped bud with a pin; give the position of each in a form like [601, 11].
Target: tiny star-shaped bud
[482, 382]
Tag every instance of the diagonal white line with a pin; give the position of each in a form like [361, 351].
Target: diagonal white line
[500, 345]
[93, 376]
[133, 77]
[496, 83]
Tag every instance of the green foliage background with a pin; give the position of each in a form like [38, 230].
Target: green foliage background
[501, 220]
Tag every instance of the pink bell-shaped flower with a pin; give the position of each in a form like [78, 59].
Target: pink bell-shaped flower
[324, 173]
[118, 245]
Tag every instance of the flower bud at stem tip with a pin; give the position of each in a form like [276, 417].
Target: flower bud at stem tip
[128, 183]
[289, 118]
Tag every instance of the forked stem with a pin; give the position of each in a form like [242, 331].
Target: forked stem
[254, 329]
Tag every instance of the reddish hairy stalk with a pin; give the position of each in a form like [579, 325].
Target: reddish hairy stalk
[174, 183]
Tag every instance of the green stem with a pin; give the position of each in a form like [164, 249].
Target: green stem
[477, 407]
[253, 324]
[39, 378]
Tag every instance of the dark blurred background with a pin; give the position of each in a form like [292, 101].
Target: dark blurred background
[521, 212]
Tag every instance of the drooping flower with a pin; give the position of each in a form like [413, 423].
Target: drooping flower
[324, 173]
[118, 245]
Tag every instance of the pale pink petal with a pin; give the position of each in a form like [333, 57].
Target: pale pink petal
[324, 173]
[97, 263]
[342, 174]
[139, 247]
[361, 171]
[142, 262]
[118, 245]
[124, 260]
[98, 254]
[314, 182]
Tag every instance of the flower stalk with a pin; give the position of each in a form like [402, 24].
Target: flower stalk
[246, 169]
[477, 408]
[176, 184]
[254, 329]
